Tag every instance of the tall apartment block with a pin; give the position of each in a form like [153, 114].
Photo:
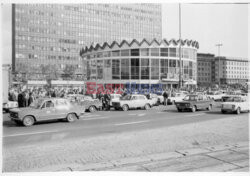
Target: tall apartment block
[53, 34]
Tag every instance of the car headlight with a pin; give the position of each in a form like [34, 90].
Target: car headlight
[233, 106]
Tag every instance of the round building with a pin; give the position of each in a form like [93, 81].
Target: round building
[141, 62]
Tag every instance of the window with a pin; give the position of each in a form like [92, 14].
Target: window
[172, 52]
[164, 51]
[135, 52]
[154, 51]
[145, 52]
[154, 68]
[144, 68]
[124, 52]
[125, 67]
[116, 53]
[135, 63]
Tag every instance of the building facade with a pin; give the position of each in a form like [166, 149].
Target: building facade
[53, 34]
[221, 70]
[205, 71]
[141, 62]
[231, 70]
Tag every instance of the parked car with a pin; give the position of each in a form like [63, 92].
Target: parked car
[216, 95]
[133, 101]
[176, 97]
[46, 109]
[87, 102]
[235, 104]
[154, 98]
[115, 98]
[7, 105]
[194, 102]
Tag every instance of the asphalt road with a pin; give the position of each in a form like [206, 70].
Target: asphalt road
[103, 122]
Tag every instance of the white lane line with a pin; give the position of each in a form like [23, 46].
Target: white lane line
[41, 132]
[141, 114]
[94, 118]
[191, 115]
[129, 123]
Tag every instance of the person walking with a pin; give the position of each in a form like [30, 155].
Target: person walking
[165, 96]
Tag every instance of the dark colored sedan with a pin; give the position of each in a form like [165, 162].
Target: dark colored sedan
[194, 102]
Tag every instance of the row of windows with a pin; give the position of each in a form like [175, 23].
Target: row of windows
[164, 52]
[234, 63]
[49, 57]
[46, 48]
[136, 68]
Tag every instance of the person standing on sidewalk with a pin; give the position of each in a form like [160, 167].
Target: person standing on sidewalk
[165, 96]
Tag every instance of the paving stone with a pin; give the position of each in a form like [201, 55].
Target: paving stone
[228, 156]
[164, 156]
[193, 151]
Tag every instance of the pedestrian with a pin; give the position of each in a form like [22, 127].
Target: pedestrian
[165, 96]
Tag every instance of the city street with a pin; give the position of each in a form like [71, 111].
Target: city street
[109, 135]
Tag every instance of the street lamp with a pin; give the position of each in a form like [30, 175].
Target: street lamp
[219, 45]
[180, 71]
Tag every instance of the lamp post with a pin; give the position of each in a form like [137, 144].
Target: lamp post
[219, 45]
[180, 71]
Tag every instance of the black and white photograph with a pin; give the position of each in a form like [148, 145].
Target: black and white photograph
[125, 87]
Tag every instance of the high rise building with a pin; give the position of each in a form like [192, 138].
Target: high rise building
[205, 69]
[53, 34]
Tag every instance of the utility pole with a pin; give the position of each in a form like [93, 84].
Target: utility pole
[219, 45]
[180, 64]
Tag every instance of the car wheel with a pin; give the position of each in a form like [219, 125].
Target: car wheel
[147, 107]
[209, 107]
[223, 112]
[92, 109]
[193, 109]
[125, 107]
[28, 121]
[179, 110]
[71, 117]
[238, 110]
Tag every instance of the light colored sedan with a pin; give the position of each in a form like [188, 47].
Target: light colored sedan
[47, 109]
[236, 104]
[133, 101]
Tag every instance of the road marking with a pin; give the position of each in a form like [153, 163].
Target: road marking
[41, 132]
[94, 118]
[191, 115]
[141, 114]
[129, 123]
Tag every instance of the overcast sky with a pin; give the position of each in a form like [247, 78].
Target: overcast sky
[208, 24]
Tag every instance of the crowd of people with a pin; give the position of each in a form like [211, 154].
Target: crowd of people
[25, 96]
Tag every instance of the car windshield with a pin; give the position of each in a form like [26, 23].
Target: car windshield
[37, 103]
[190, 98]
[234, 99]
[127, 97]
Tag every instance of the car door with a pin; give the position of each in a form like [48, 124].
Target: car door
[47, 111]
[200, 102]
[62, 108]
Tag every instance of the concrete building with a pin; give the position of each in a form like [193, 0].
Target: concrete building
[228, 70]
[141, 62]
[205, 71]
[53, 34]
[231, 70]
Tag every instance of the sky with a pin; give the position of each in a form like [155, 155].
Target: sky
[209, 24]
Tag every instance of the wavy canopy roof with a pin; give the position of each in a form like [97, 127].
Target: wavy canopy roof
[144, 42]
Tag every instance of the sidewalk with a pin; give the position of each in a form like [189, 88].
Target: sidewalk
[229, 157]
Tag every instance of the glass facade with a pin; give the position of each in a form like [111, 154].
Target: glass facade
[145, 64]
